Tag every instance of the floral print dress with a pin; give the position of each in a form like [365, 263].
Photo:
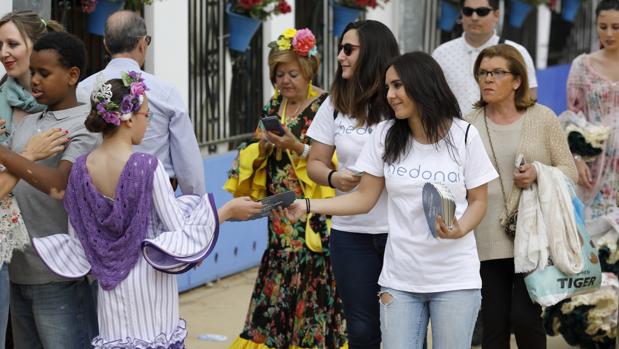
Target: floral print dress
[598, 99]
[295, 302]
[13, 234]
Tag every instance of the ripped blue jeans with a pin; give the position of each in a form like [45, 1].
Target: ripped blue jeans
[404, 318]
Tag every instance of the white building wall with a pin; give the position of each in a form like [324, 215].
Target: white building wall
[388, 15]
[168, 54]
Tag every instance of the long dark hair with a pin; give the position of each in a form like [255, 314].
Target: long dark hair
[606, 5]
[426, 86]
[360, 96]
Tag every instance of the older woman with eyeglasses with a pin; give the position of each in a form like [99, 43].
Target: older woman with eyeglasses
[511, 123]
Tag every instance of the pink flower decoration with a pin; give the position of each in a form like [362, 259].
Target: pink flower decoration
[138, 88]
[303, 42]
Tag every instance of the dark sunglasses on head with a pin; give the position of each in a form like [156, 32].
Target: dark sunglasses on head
[348, 48]
[481, 11]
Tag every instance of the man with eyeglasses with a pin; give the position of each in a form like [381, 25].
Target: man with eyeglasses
[169, 136]
[457, 57]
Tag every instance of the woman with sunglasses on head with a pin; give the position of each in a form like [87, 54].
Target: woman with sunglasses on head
[430, 272]
[511, 123]
[342, 126]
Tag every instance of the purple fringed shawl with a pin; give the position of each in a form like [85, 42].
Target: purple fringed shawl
[111, 232]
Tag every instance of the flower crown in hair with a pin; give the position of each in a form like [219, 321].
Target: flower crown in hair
[301, 41]
[111, 112]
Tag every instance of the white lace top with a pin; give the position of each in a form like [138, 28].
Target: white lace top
[13, 234]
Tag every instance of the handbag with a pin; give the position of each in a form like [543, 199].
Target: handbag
[509, 225]
[550, 286]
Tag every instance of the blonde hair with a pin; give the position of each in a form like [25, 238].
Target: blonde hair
[517, 67]
[30, 25]
[309, 65]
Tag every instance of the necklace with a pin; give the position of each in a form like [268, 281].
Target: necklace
[496, 163]
[296, 111]
[278, 153]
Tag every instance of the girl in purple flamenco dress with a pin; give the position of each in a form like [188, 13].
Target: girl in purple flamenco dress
[128, 229]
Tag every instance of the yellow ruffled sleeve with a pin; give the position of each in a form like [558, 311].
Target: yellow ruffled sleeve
[310, 188]
[243, 179]
[313, 191]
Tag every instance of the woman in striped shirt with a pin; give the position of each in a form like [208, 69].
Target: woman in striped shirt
[121, 208]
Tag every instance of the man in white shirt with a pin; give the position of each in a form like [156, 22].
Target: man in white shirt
[457, 57]
[169, 136]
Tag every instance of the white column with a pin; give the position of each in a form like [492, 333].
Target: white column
[5, 7]
[168, 55]
[543, 36]
[270, 31]
[386, 15]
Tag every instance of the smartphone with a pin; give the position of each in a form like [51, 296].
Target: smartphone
[271, 123]
[519, 160]
[355, 172]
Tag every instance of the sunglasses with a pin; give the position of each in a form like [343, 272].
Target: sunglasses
[481, 11]
[348, 48]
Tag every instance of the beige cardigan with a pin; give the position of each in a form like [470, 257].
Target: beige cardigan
[542, 140]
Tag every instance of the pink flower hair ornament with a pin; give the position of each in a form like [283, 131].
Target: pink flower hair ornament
[110, 111]
[302, 42]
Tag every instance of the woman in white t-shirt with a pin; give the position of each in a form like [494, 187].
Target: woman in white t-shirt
[343, 125]
[423, 277]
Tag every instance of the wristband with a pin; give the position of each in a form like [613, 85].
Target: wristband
[306, 150]
[307, 206]
[329, 178]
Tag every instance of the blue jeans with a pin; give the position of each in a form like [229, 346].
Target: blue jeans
[404, 318]
[357, 260]
[4, 302]
[59, 315]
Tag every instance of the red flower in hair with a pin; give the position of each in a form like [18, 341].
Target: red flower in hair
[303, 42]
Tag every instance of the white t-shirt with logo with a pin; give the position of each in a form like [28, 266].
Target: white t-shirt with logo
[415, 261]
[348, 139]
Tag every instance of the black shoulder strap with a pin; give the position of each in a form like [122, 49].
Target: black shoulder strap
[466, 134]
[501, 40]
[4, 78]
[334, 114]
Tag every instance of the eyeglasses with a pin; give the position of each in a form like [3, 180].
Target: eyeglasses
[348, 48]
[148, 113]
[481, 11]
[497, 74]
